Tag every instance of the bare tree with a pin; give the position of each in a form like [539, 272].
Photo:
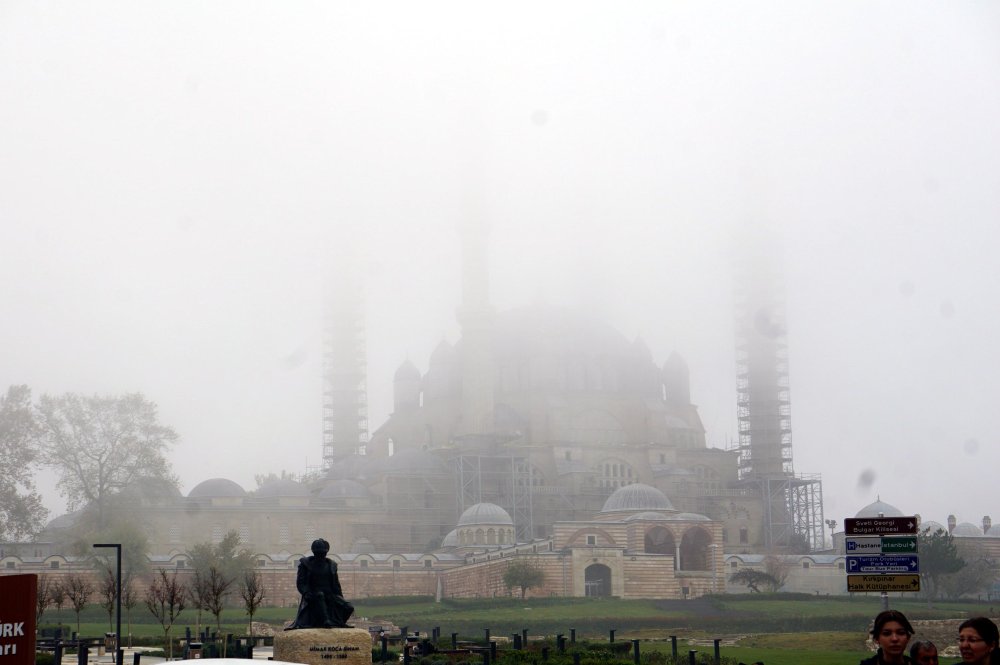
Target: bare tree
[101, 444]
[778, 567]
[130, 598]
[43, 596]
[108, 591]
[58, 595]
[217, 587]
[199, 593]
[253, 594]
[165, 600]
[78, 591]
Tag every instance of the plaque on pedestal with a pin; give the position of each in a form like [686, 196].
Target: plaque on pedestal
[324, 646]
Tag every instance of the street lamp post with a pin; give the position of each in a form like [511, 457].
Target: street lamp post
[118, 594]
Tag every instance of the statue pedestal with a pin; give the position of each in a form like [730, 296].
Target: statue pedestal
[324, 646]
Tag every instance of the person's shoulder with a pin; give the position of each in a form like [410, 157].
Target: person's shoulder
[870, 661]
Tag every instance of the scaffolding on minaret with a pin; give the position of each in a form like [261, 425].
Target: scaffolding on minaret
[793, 503]
[345, 394]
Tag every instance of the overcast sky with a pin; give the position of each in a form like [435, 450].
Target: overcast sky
[174, 177]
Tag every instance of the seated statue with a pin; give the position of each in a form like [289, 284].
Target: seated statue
[322, 604]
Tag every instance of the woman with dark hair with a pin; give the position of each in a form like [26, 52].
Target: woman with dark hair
[979, 641]
[890, 632]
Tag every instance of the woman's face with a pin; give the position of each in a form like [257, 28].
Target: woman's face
[973, 647]
[892, 639]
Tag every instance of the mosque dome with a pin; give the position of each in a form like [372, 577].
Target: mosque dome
[281, 488]
[450, 540]
[967, 530]
[932, 527]
[407, 372]
[347, 489]
[636, 498]
[879, 506]
[485, 513]
[216, 487]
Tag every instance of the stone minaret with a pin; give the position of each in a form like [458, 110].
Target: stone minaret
[475, 316]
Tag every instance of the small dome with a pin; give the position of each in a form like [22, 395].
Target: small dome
[930, 526]
[64, 521]
[636, 498]
[282, 487]
[450, 540]
[967, 530]
[347, 489]
[648, 515]
[412, 461]
[873, 510]
[216, 487]
[407, 372]
[485, 513]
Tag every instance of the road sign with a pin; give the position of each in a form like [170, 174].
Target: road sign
[863, 583]
[888, 563]
[877, 526]
[881, 545]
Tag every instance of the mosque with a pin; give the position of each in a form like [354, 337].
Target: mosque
[540, 432]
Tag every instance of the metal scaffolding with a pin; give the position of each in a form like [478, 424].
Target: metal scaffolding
[793, 504]
[345, 396]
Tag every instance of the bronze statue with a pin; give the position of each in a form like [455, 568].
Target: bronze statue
[322, 604]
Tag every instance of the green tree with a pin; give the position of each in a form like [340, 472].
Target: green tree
[975, 577]
[938, 557]
[523, 574]
[227, 556]
[21, 511]
[754, 579]
[101, 444]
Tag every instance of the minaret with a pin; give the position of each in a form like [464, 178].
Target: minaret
[475, 316]
[345, 394]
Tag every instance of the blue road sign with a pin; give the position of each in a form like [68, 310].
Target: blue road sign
[888, 563]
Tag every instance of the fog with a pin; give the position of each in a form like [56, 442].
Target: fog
[177, 178]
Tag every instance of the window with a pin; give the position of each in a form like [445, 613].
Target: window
[54, 565]
[725, 536]
[364, 563]
[395, 563]
[284, 534]
[181, 564]
[591, 540]
[663, 458]
[10, 565]
[244, 534]
[734, 564]
[175, 533]
[805, 564]
[840, 565]
[310, 532]
[568, 455]
[744, 535]
[216, 533]
[261, 563]
[428, 563]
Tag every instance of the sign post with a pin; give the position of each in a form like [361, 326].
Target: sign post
[18, 594]
[882, 555]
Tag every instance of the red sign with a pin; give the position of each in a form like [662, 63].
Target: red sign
[17, 619]
[877, 526]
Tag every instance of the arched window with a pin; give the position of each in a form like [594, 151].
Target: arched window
[694, 549]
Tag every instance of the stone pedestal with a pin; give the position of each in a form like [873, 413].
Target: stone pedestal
[324, 646]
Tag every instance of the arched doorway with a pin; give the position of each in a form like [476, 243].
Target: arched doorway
[659, 540]
[597, 581]
[694, 549]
